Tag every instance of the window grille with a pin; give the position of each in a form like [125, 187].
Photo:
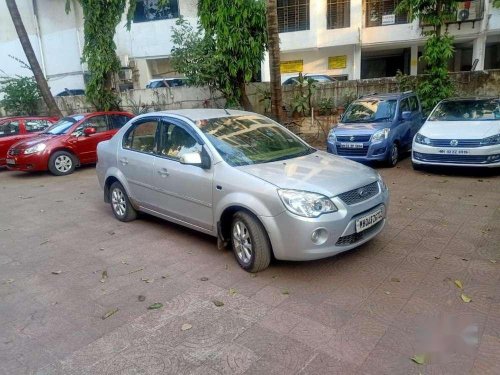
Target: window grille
[293, 15]
[338, 13]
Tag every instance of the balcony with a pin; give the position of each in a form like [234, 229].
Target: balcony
[383, 13]
[466, 11]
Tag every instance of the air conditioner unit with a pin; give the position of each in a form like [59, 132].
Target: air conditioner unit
[466, 11]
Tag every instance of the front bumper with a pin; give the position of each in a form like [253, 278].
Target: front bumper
[377, 151]
[28, 163]
[486, 157]
[290, 234]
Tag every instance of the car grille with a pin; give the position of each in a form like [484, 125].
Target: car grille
[461, 142]
[351, 239]
[352, 151]
[353, 196]
[357, 138]
[14, 151]
[446, 158]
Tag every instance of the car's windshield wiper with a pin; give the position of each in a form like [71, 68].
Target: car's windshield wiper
[382, 119]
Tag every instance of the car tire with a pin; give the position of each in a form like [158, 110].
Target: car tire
[62, 163]
[120, 203]
[393, 157]
[250, 243]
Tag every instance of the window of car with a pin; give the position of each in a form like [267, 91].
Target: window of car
[36, 125]
[414, 106]
[100, 123]
[117, 121]
[142, 137]
[9, 128]
[404, 106]
[467, 110]
[175, 141]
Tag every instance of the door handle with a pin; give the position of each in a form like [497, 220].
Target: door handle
[124, 161]
[163, 172]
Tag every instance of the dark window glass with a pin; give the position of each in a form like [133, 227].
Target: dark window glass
[117, 121]
[9, 128]
[338, 13]
[142, 137]
[98, 122]
[150, 10]
[293, 15]
[175, 142]
[405, 106]
[383, 12]
[414, 107]
[36, 125]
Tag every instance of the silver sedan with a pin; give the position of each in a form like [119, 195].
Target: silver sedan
[244, 179]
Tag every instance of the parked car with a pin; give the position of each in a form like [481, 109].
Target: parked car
[460, 132]
[377, 127]
[67, 144]
[319, 78]
[71, 92]
[166, 82]
[245, 179]
[14, 129]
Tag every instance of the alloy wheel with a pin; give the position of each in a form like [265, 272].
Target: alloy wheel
[118, 202]
[242, 242]
[63, 163]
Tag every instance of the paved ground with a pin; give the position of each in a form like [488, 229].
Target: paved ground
[364, 312]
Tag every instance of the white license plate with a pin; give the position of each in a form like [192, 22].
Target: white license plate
[369, 220]
[351, 145]
[11, 161]
[446, 151]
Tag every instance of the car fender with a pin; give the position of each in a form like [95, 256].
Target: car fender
[249, 202]
[116, 173]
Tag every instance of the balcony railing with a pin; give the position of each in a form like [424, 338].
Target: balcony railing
[466, 11]
[383, 13]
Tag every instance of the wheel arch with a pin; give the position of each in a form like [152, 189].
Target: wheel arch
[66, 149]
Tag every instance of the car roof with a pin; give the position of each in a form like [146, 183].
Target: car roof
[200, 113]
[165, 79]
[387, 95]
[470, 98]
[100, 113]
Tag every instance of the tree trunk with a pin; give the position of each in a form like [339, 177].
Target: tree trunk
[30, 55]
[244, 101]
[274, 61]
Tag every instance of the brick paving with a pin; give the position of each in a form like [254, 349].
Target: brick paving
[363, 312]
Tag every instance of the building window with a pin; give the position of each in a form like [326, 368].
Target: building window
[383, 12]
[338, 13]
[149, 10]
[293, 15]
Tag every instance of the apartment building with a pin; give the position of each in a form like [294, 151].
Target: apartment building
[347, 39]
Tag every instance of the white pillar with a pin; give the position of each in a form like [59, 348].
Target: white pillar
[356, 63]
[265, 71]
[414, 60]
[478, 51]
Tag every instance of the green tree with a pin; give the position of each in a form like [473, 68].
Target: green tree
[438, 50]
[21, 95]
[226, 49]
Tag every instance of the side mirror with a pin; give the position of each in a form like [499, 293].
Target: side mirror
[89, 131]
[191, 158]
[406, 115]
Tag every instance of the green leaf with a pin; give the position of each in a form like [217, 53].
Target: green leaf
[419, 359]
[155, 306]
[459, 284]
[232, 291]
[465, 298]
[109, 313]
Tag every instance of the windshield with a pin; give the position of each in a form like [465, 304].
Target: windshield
[467, 110]
[249, 139]
[370, 111]
[63, 125]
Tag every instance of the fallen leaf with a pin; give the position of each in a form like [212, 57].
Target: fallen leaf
[419, 359]
[137, 270]
[465, 298]
[253, 275]
[23, 197]
[42, 211]
[387, 292]
[204, 278]
[101, 248]
[104, 276]
[285, 291]
[493, 261]
[218, 303]
[459, 284]
[124, 262]
[232, 291]
[186, 326]
[437, 257]
[10, 281]
[274, 276]
[395, 280]
[164, 276]
[465, 259]
[109, 313]
[111, 232]
[44, 242]
[409, 209]
[141, 298]
[155, 306]
[226, 266]
[56, 272]
[148, 281]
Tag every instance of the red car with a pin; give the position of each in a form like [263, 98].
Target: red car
[67, 144]
[15, 129]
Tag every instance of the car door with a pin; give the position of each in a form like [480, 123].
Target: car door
[404, 127]
[184, 192]
[10, 133]
[136, 157]
[33, 126]
[417, 117]
[85, 146]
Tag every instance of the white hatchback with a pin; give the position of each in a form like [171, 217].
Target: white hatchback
[460, 132]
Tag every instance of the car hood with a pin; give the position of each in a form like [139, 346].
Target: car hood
[26, 143]
[357, 127]
[318, 172]
[460, 129]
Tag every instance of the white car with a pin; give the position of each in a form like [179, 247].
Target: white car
[460, 132]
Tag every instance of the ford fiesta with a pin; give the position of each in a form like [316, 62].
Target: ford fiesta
[67, 144]
[460, 132]
[245, 179]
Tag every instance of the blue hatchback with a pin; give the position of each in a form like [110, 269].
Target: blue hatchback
[377, 127]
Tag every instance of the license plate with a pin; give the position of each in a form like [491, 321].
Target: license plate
[11, 161]
[369, 220]
[351, 145]
[446, 151]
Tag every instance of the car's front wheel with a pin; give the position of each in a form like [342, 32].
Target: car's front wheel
[120, 203]
[250, 242]
[62, 163]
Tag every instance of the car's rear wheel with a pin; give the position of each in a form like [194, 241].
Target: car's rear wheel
[120, 203]
[250, 242]
[62, 163]
[393, 158]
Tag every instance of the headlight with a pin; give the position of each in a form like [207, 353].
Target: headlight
[494, 140]
[419, 138]
[306, 204]
[381, 182]
[332, 137]
[36, 148]
[380, 135]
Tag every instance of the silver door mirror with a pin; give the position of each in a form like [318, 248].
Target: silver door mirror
[406, 115]
[191, 158]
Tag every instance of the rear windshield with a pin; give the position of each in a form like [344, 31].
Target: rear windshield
[467, 110]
